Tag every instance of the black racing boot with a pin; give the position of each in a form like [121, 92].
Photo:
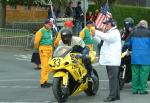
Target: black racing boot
[46, 85]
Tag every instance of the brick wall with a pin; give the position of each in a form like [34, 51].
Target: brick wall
[21, 14]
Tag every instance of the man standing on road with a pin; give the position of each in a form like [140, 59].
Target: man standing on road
[43, 42]
[110, 56]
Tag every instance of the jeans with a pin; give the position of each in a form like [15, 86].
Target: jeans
[78, 27]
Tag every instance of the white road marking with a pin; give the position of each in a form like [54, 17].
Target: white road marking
[21, 87]
[21, 74]
[96, 64]
[22, 80]
[31, 87]
[17, 80]
[22, 57]
[31, 102]
[36, 87]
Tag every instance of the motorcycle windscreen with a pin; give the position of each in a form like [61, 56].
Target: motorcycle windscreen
[62, 51]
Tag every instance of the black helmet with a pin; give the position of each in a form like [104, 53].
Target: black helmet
[128, 23]
[66, 36]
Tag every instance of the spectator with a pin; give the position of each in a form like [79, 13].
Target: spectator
[89, 16]
[79, 17]
[86, 35]
[52, 12]
[139, 42]
[67, 24]
[111, 57]
[43, 42]
[35, 59]
[69, 10]
[128, 28]
[95, 15]
[57, 12]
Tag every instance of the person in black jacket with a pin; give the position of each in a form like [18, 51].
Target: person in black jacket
[69, 10]
[79, 17]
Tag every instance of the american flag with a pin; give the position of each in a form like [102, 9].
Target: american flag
[102, 16]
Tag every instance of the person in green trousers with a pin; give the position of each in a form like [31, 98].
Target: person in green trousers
[139, 41]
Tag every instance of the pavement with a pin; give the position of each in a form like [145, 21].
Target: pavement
[19, 82]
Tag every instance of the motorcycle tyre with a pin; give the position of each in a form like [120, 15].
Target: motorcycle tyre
[121, 83]
[57, 90]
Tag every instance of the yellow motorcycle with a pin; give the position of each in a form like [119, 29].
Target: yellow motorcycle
[70, 75]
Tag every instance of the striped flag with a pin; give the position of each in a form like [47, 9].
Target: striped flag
[102, 16]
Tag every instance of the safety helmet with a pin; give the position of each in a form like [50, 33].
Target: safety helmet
[66, 36]
[69, 24]
[128, 23]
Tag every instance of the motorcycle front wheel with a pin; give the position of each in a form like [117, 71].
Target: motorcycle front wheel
[60, 92]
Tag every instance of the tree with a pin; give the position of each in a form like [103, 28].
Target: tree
[2, 12]
[59, 4]
[101, 2]
[4, 3]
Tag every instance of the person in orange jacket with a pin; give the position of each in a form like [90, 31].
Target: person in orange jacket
[43, 42]
[68, 24]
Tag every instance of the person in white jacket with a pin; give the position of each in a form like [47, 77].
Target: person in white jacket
[110, 56]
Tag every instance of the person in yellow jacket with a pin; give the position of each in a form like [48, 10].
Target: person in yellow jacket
[68, 24]
[86, 34]
[43, 42]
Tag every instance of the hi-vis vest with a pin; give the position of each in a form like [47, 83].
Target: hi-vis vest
[87, 36]
[46, 37]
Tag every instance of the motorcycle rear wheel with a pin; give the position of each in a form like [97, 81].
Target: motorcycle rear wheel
[121, 83]
[93, 87]
[60, 93]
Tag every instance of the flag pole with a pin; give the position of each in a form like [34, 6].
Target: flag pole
[50, 2]
[107, 2]
[53, 16]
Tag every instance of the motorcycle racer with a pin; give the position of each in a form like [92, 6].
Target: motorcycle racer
[78, 46]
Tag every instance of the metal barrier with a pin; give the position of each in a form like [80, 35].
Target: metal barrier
[31, 25]
[19, 33]
[15, 38]
[60, 21]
